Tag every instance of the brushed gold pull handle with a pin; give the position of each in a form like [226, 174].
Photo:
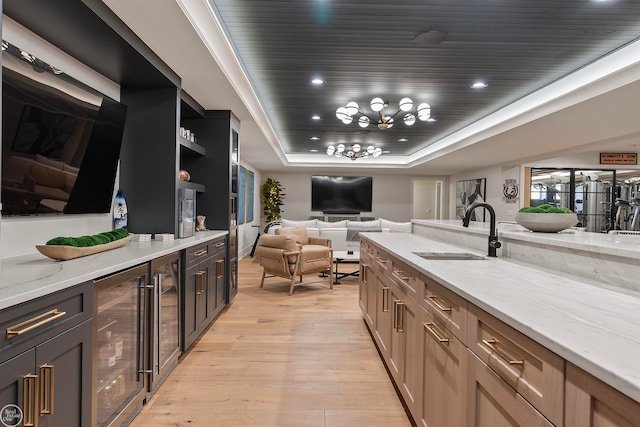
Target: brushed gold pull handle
[30, 400]
[200, 280]
[381, 259]
[370, 251]
[220, 244]
[395, 314]
[34, 323]
[437, 333]
[401, 309]
[385, 300]
[495, 345]
[401, 275]
[46, 389]
[220, 268]
[199, 253]
[438, 303]
[363, 272]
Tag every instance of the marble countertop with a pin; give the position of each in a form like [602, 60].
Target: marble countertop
[593, 327]
[31, 276]
[573, 238]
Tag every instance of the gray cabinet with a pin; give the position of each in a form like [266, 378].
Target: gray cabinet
[204, 287]
[45, 363]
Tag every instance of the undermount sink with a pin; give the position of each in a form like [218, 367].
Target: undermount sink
[463, 256]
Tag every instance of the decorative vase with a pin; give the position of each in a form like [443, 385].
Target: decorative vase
[184, 175]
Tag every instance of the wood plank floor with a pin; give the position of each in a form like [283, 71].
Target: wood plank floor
[272, 359]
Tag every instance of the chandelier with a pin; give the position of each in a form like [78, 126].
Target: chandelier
[354, 152]
[384, 121]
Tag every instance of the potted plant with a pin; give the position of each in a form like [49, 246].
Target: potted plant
[272, 200]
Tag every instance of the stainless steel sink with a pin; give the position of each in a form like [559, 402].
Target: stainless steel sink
[463, 256]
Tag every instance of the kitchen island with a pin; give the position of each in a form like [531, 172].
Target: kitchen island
[587, 323]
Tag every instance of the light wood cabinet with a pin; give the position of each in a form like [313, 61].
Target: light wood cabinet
[443, 375]
[534, 372]
[591, 403]
[494, 403]
[383, 325]
[446, 306]
[367, 290]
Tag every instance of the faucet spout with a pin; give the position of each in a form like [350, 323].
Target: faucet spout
[493, 237]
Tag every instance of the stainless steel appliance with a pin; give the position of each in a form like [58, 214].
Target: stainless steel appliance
[120, 312]
[136, 337]
[164, 326]
[187, 212]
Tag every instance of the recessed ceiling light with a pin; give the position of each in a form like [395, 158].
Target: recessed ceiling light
[314, 138]
[317, 81]
[429, 38]
[403, 140]
[316, 117]
[313, 150]
[478, 85]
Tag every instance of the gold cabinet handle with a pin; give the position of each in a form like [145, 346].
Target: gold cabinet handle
[220, 268]
[199, 253]
[381, 259]
[401, 311]
[30, 400]
[385, 299]
[34, 323]
[495, 345]
[220, 244]
[370, 251]
[363, 272]
[437, 302]
[401, 275]
[437, 333]
[46, 390]
[200, 280]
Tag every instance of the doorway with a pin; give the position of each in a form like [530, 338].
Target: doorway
[428, 199]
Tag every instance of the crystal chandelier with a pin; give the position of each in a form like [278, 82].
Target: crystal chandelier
[354, 152]
[384, 120]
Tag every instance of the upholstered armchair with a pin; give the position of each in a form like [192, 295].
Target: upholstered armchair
[291, 253]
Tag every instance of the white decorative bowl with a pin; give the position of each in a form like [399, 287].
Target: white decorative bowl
[546, 222]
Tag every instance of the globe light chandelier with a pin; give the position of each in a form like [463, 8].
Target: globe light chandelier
[384, 121]
[354, 151]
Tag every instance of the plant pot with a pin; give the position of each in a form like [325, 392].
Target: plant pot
[546, 222]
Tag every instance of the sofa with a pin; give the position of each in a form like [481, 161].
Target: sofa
[344, 235]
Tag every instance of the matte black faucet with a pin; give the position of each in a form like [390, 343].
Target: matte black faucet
[493, 237]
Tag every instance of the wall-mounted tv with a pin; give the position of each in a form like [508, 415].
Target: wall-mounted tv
[341, 194]
[60, 140]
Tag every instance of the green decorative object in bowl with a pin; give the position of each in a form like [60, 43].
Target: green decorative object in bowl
[546, 218]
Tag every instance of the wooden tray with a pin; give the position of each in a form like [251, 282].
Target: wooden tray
[63, 253]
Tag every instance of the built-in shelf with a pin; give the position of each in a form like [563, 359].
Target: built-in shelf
[191, 186]
[192, 146]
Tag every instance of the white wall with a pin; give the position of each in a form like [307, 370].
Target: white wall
[18, 236]
[391, 195]
[247, 232]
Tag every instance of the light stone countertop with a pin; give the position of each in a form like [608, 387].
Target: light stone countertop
[595, 328]
[27, 277]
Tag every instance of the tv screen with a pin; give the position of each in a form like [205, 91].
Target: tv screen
[341, 194]
[60, 140]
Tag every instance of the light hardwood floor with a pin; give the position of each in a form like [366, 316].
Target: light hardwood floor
[272, 359]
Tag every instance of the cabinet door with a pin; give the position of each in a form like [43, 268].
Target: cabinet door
[591, 403]
[195, 302]
[66, 395]
[493, 403]
[404, 355]
[12, 373]
[367, 292]
[221, 281]
[383, 320]
[443, 375]
[215, 284]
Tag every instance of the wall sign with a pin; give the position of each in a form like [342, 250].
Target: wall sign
[510, 191]
[618, 158]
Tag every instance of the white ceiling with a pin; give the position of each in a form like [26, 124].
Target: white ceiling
[572, 116]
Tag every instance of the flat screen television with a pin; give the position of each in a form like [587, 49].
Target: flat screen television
[341, 194]
[60, 140]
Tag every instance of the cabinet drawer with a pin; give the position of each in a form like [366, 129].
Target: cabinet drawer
[532, 370]
[198, 253]
[30, 323]
[405, 277]
[446, 306]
